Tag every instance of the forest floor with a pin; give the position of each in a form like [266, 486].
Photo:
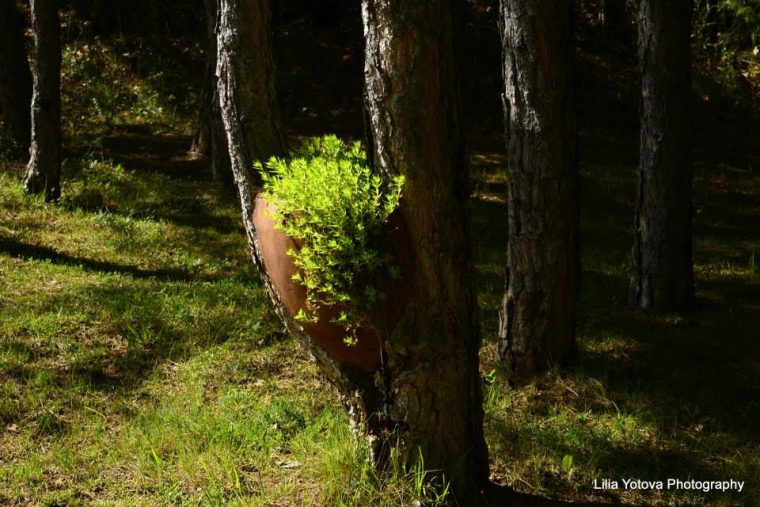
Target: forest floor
[141, 363]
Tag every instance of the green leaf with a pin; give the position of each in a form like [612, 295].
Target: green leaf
[328, 199]
[567, 463]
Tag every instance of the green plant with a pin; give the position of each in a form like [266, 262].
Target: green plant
[336, 209]
[427, 487]
[567, 464]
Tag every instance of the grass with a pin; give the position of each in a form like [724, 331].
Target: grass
[141, 364]
[651, 396]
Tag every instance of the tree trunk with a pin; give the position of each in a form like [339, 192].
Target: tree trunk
[537, 318]
[426, 396]
[431, 385]
[248, 108]
[246, 86]
[15, 78]
[210, 141]
[43, 173]
[662, 254]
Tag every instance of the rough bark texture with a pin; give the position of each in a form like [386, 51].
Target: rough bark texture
[43, 173]
[662, 253]
[248, 105]
[426, 394]
[210, 141]
[246, 84]
[15, 77]
[537, 318]
[430, 380]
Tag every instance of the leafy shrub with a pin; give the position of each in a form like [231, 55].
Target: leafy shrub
[336, 210]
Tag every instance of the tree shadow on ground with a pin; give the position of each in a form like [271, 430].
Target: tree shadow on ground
[140, 328]
[43, 253]
[140, 148]
[705, 362]
[497, 495]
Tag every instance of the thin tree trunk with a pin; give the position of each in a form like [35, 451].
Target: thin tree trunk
[246, 86]
[246, 91]
[662, 254]
[15, 77]
[43, 173]
[430, 377]
[537, 319]
[210, 141]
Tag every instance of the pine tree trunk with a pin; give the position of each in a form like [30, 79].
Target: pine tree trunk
[210, 141]
[43, 173]
[247, 99]
[662, 254]
[246, 86]
[431, 382]
[537, 319]
[15, 77]
[246, 89]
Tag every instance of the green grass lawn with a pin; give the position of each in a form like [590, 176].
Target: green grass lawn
[141, 364]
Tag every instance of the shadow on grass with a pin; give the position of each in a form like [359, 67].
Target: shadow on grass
[145, 151]
[163, 156]
[133, 330]
[497, 495]
[697, 370]
[140, 148]
[36, 252]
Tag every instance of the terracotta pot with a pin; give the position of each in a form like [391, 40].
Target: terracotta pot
[366, 353]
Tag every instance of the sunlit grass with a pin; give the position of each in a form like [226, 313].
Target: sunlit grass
[141, 363]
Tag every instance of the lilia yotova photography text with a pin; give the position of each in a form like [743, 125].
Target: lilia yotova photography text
[668, 484]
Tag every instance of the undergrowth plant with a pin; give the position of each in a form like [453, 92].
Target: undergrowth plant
[336, 209]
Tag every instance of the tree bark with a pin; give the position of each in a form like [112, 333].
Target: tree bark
[43, 172]
[425, 398]
[537, 318]
[15, 77]
[430, 380]
[210, 141]
[248, 107]
[663, 276]
[246, 85]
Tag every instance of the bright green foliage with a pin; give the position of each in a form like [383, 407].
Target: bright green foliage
[336, 208]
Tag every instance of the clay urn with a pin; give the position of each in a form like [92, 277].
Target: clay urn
[366, 353]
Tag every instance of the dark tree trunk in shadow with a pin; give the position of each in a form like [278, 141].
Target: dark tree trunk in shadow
[15, 77]
[537, 318]
[210, 141]
[43, 173]
[431, 386]
[663, 276]
[246, 85]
